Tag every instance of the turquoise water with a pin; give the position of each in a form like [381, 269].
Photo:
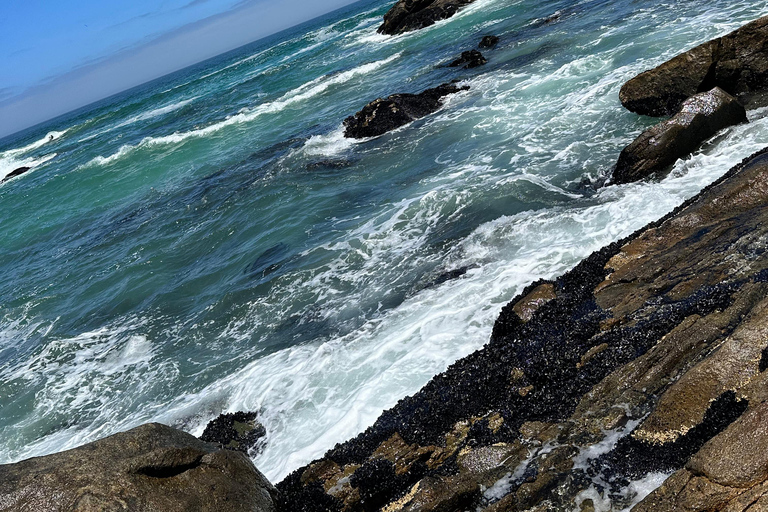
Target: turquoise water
[209, 242]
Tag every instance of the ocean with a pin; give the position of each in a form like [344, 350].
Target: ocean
[210, 242]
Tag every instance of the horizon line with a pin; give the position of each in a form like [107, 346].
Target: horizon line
[109, 97]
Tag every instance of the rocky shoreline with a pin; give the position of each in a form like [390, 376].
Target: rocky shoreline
[646, 360]
[656, 341]
[637, 378]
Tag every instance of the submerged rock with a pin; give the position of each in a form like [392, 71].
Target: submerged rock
[386, 114]
[236, 431]
[657, 148]
[270, 261]
[14, 173]
[737, 63]
[488, 42]
[147, 469]
[407, 15]
[644, 359]
[469, 59]
[329, 164]
[444, 277]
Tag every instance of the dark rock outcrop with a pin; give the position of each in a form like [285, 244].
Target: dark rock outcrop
[469, 59]
[147, 469]
[737, 63]
[657, 338]
[386, 114]
[488, 42]
[407, 15]
[657, 148]
[14, 173]
[236, 431]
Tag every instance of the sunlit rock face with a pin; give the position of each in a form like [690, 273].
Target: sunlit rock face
[149, 468]
[737, 63]
[656, 149]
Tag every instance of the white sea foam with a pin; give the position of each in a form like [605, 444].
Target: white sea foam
[331, 144]
[144, 116]
[609, 442]
[160, 111]
[85, 372]
[304, 92]
[631, 495]
[8, 164]
[13, 159]
[49, 137]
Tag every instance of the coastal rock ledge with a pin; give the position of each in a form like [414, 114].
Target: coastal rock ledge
[646, 363]
[148, 469]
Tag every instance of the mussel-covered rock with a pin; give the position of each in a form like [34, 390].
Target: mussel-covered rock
[235, 431]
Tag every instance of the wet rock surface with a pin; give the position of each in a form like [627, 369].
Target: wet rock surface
[737, 63]
[149, 468]
[643, 360]
[469, 59]
[15, 172]
[656, 149]
[408, 15]
[239, 431]
[386, 114]
[488, 42]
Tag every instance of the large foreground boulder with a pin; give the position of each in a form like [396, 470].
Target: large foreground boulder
[657, 148]
[151, 468]
[407, 15]
[737, 63]
[386, 114]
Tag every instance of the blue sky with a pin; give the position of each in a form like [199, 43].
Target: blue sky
[61, 55]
